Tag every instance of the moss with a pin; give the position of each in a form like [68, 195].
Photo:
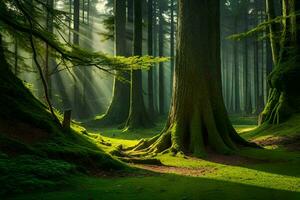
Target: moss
[43, 164]
[288, 128]
[27, 173]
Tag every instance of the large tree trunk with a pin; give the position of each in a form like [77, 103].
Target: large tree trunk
[138, 116]
[284, 99]
[118, 110]
[198, 120]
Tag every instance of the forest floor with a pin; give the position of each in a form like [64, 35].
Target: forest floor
[270, 173]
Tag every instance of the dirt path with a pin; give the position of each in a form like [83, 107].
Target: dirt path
[234, 160]
[196, 172]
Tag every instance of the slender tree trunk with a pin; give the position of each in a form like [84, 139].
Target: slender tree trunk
[138, 116]
[237, 106]
[161, 65]
[16, 56]
[247, 93]
[88, 11]
[76, 90]
[48, 60]
[172, 43]
[118, 110]
[233, 81]
[76, 21]
[155, 70]
[198, 119]
[261, 66]
[130, 14]
[83, 9]
[70, 20]
[151, 109]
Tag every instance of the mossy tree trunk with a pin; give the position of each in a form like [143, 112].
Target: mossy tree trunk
[284, 81]
[198, 119]
[118, 110]
[138, 117]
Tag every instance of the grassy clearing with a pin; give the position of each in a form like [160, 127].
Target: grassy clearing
[253, 174]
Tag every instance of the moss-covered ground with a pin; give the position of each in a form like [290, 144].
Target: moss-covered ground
[270, 173]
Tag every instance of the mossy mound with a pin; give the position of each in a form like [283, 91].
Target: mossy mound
[35, 153]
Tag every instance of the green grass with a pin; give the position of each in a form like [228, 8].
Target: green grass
[167, 187]
[262, 174]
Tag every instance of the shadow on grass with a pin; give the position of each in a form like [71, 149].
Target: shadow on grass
[162, 187]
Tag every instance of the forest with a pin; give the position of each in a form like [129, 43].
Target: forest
[150, 99]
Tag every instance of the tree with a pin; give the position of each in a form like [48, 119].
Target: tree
[151, 109]
[49, 62]
[77, 95]
[24, 22]
[161, 54]
[284, 98]
[118, 110]
[138, 116]
[198, 118]
[247, 88]
[172, 41]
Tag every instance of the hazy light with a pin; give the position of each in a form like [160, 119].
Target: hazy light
[59, 4]
[100, 6]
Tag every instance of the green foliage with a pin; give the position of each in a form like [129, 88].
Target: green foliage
[261, 28]
[109, 24]
[12, 15]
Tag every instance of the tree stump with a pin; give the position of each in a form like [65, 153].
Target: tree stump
[67, 119]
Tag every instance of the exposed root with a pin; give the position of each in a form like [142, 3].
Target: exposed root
[277, 109]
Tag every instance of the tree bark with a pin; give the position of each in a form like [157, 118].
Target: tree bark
[237, 106]
[48, 60]
[161, 65]
[138, 116]
[247, 93]
[172, 43]
[198, 120]
[273, 30]
[16, 47]
[77, 104]
[118, 110]
[151, 109]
